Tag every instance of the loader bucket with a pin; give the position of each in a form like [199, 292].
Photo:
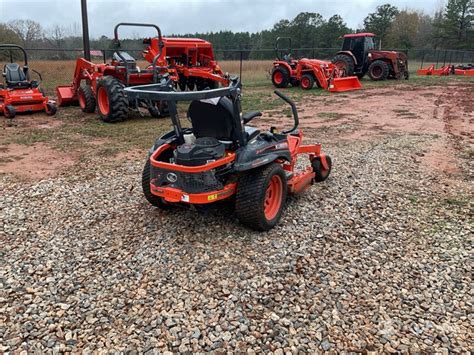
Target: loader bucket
[469, 72]
[347, 83]
[66, 95]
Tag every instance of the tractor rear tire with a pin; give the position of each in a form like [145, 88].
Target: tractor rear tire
[345, 64]
[321, 174]
[280, 77]
[112, 103]
[307, 82]
[379, 70]
[86, 99]
[51, 109]
[261, 196]
[152, 199]
[9, 111]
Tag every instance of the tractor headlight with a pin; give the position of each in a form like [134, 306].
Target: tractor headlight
[369, 55]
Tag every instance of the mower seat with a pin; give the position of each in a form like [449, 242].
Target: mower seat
[214, 118]
[15, 77]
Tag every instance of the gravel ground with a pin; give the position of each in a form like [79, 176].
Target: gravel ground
[377, 258]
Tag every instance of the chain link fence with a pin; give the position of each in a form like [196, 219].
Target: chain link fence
[424, 57]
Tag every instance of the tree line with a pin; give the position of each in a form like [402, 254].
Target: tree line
[451, 27]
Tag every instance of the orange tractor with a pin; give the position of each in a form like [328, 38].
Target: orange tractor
[359, 57]
[307, 72]
[189, 62]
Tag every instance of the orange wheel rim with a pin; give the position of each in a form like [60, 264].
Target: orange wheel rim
[82, 100]
[278, 77]
[305, 83]
[273, 197]
[103, 99]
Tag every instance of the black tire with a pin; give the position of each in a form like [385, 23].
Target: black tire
[280, 72]
[117, 104]
[379, 70]
[307, 82]
[345, 64]
[406, 75]
[158, 109]
[152, 199]
[9, 111]
[251, 196]
[51, 109]
[320, 173]
[86, 98]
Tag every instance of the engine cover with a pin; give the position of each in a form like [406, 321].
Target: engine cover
[202, 151]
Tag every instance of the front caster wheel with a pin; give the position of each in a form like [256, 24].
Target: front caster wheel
[320, 172]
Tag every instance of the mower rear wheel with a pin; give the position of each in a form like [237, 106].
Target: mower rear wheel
[111, 100]
[307, 82]
[280, 77]
[261, 196]
[152, 199]
[379, 70]
[344, 64]
[51, 109]
[86, 99]
[9, 111]
[320, 172]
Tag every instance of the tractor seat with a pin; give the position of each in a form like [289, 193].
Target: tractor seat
[15, 77]
[214, 118]
[127, 60]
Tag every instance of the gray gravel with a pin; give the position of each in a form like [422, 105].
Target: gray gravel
[378, 258]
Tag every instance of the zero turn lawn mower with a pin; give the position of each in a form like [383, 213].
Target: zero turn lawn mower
[18, 93]
[308, 72]
[221, 158]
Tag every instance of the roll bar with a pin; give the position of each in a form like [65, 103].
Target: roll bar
[293, 109]
[164, 91]
[131, 24]
[16, 46]
[277, 42]
[160, 42]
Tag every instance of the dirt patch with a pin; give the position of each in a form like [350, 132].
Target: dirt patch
[37, 120]
[33, 162]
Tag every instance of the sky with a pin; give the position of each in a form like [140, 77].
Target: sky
[189, 16]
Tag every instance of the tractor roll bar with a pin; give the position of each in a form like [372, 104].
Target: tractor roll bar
[280, 49]
[160, 41]
[131, 24]
[16, 46]
[293, 109]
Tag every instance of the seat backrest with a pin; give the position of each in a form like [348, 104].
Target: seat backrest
[14, 73]
[213, 118]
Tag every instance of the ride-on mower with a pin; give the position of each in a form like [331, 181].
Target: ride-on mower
[306, 72]
[359, 57]
[189, 62]
[19, 93]
[220, 157]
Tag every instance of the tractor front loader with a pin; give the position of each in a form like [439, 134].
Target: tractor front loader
[308, 72]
